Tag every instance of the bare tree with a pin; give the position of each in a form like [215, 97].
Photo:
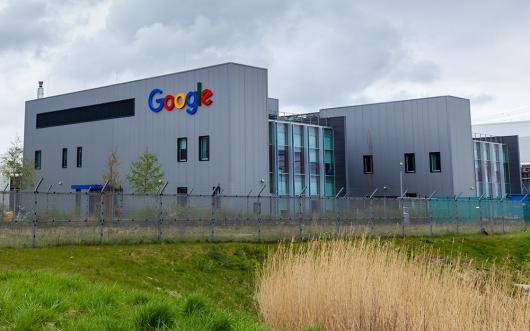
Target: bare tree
[111, 171]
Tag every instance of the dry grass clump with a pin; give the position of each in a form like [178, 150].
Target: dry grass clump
[368, 285]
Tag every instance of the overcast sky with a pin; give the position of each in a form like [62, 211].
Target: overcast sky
[319, 53]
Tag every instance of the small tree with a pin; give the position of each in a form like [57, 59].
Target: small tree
[144, 174]
[111, 171]
[17, 168]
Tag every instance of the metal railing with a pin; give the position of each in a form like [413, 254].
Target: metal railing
[40, 218]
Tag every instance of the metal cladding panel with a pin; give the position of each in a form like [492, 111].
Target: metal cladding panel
[249, 154]
[514, 163]
[388, 131]
[463, 163]
[158, 132]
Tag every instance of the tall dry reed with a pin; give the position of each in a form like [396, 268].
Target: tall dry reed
[368, 285]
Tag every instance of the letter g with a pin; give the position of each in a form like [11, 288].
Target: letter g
[158, 101]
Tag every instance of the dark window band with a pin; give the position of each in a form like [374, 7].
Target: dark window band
[99, 112]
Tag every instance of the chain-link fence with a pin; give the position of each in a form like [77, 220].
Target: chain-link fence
[39, 219]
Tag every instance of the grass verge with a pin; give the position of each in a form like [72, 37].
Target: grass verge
[40, 300]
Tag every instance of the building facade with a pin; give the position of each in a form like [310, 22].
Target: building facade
[417, 147]
[215, 130]
[209, 128]
[222, 142]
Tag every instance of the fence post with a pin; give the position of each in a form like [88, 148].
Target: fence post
[503, 205]
[160, 211]
[102, 210]
[429, 214]
[456, 216]
[101, 215]
[371, 220]
[160, 231]
[212, 220]
[34, 227]
[337, 221]
[480, 213]
[3, 203]
[259, 220]
[490, 214]
[300, 230]
[404, 215]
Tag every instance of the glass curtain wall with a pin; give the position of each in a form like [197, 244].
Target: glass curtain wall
[298, 156]
[314, 169]
[491, 169]
[283, 158]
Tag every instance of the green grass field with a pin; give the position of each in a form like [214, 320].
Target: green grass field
[185, 286]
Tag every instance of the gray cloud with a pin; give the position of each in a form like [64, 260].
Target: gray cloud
[24, 24]
[318, 53]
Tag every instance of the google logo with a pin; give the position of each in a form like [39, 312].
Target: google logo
[192, 99]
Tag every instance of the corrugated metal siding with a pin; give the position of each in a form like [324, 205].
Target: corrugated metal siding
[236, 123]
[389, 130]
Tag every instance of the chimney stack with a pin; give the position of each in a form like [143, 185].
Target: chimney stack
[40, 90]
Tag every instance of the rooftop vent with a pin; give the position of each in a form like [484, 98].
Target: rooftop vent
[40, 90]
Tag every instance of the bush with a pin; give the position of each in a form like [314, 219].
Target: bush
[155, 315]
[194, 303]
[221, 323]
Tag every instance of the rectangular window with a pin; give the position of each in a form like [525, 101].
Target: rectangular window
[410, 162]
[65, 158]
[99, 112]
[298, 184]
[314, 185]
[182, 190]
[283, 184]
[182, 196]
[329, 189]
[435, 161]
[79, 160]
[38, 155]
[182, 149]
[368, 164]
[204, 148]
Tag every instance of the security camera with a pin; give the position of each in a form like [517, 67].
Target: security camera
[262, 181]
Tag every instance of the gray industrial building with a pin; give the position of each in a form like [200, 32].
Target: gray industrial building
[425, 144]
[205, 143]
[216, 130]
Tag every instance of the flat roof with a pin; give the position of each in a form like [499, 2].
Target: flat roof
[146, 78]
[403, 100]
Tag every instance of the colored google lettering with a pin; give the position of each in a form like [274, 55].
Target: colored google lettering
[193, 100]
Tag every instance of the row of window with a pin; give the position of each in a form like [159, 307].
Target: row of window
[204, 149]
[64, 158]
[182, 153]
[410, 163]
